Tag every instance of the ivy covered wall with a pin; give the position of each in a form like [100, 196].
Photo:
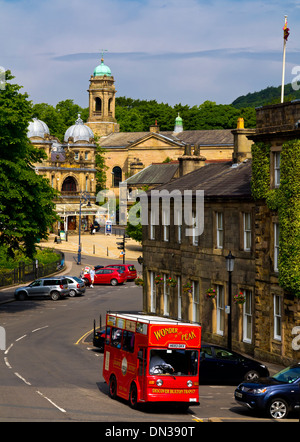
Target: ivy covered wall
[286, 201]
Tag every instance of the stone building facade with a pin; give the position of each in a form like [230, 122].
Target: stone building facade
[267, 323]
[70, 169]
[277, 312]
[199, 260]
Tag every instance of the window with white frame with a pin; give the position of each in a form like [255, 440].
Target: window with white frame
[247, 317]
[276, 246]
[196, 301]
[166, 224]
[152, 292]
[166, 296]
[277, 317]
[76, 155]
[179, 298]
[86, 155]
[179, 227]
[276, 169]
[152, 224]
[220, 310]
[247, 231]
[220, 229]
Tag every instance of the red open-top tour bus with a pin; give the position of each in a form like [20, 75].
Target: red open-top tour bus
[152, 359]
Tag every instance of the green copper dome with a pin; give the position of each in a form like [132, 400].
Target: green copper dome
[102, 70]
[178, 125]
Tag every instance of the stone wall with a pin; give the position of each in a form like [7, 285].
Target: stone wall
[267, 347]
[206, 265]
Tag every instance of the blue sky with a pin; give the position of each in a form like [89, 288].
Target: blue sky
[172, 51]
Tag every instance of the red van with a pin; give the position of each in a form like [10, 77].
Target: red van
[128, 269]
[106, 276]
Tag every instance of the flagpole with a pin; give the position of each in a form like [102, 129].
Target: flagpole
[283, 62]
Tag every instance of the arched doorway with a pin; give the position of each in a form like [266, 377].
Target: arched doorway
[69, 185]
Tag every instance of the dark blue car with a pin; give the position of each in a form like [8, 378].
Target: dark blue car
[219, 365]
[276, 395]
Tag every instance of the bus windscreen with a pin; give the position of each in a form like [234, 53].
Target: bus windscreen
[176, 362]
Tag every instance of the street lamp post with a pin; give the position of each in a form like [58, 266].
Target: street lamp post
[86, 197]
[229, 266]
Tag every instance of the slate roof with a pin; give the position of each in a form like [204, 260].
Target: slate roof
[207, 137]
[154, 174]
[202, 137]
[217, 180]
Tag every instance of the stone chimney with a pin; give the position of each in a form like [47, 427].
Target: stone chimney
[190, 162]
[242, 145]
[154, 128]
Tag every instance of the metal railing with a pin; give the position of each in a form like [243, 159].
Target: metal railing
[29, 272]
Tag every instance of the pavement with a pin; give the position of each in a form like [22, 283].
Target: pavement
[98, 245]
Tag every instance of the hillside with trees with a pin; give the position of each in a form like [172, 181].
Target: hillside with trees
[269, 95]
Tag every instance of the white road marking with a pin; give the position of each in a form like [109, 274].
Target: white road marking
[41, 328]
[51, 402]
[6, 351]
[19, 339]
[23, 379]
[7, 363]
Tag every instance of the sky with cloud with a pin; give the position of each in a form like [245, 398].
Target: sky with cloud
[171, 51]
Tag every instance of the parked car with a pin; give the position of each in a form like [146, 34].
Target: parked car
[76, 285]
[98, 267]
[217, 364]
[129, 269]
[277, 395]
[106, 276]
[53, 287]
[100, 337]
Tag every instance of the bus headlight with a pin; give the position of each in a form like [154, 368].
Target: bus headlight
[189, 383]
[159, 382]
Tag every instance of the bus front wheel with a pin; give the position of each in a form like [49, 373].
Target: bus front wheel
[133, 395]
[113, 387]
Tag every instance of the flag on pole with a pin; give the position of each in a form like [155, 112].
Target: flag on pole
[286, 31]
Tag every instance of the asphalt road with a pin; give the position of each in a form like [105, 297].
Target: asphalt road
[50, 371]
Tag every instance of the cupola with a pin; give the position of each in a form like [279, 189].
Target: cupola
[102, 70]
[37, 128]
[79, 132]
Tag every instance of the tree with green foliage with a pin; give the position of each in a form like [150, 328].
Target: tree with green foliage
[26, 198]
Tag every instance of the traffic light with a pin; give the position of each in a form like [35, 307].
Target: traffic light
[121, 245]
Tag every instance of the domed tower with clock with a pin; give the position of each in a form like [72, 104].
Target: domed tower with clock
[102, 93]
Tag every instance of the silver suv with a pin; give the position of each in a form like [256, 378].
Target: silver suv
[54, 287]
